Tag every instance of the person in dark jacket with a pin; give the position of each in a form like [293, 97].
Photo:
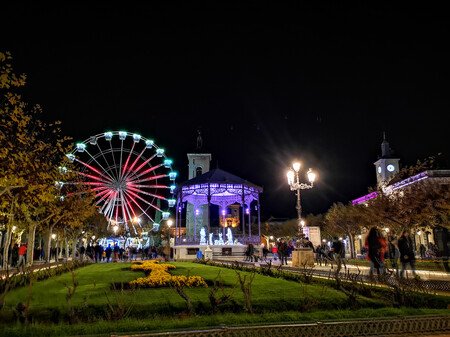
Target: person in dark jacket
[407, 256]
[376, 247]
[283, 251]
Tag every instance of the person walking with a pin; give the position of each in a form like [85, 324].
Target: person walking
[275, 252]
[22, 256]
[393, 254]
[108, 252]
[283, 251]
[14, 255]
[336, 251]
[376, 247]
[407, 256]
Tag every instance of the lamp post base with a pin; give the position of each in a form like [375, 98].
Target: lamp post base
[302, 257]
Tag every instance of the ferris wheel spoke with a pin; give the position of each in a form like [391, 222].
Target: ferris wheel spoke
[146, 171]
[125, 209]
[150, 179]
[105, 171]
[141, 166]
[93, 169]
[128, 205]
[139, 206]
[114, 159]
[105, 196]
[136, 160]
[148, 186]
[104, 158]
[93, 177]
[147, 193]
[143, 200]
[109, 206]
[120, 163]
[126, 161]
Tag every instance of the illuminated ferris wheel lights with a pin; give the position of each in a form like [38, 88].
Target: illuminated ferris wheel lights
[81, 147]
[149, 143]
[108, 136]
[71, 157]
[59, 184]
[168, 163]
[123, 177]
[62, 169]
[122, 135]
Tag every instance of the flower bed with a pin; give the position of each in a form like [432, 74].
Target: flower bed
[158, 276]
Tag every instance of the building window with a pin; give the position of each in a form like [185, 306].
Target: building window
[198, 171]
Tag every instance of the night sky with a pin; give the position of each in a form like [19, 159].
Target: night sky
[265, 84]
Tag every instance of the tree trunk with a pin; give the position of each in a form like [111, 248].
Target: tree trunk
[352, 246]
[66, 243]
[48, 244]
[30, 245]
[74, 248]
[7, 243]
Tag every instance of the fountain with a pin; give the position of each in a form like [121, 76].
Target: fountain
[229, 237]
[202, 236]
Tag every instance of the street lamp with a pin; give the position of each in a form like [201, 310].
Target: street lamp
[297, 186]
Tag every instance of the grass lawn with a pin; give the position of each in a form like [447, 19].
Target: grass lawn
[274, 300]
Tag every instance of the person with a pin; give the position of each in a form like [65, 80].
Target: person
[116, 252]
[82, 251]
[108, 252]
[393, 253]
[422, 251]
[97, 253]
[199, 255]
[336, 251]
[308, 244]
[376, 246]
[265, 251]
[15, 255]
[275, 252]
[250, 252]
[406, 247]
[283, 251]
[22, 255]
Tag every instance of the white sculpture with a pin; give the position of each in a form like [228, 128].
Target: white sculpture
[229, 236]
[202, 236]
[211, 239]
[220, 242]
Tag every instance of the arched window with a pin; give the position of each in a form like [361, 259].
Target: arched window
[198, 171]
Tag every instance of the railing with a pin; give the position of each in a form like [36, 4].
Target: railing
[243, 239]
[399, 326]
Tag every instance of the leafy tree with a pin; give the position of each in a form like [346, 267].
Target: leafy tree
[346, 220]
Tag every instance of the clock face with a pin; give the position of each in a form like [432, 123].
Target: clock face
[390, 168]
[379, 169]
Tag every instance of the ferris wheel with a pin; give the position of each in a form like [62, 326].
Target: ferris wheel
[131, 177]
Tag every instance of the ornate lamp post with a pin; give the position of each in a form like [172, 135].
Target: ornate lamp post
[297, 186]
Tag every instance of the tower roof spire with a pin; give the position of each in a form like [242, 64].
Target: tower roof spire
[385, 148]
[199, 140]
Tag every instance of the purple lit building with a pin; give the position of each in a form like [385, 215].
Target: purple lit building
[386, 167]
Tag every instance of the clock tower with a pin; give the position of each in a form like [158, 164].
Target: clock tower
[387, 165]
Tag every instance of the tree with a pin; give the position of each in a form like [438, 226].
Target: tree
[346, 220]
[29, 154]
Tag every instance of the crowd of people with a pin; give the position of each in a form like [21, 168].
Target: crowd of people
[385, 253]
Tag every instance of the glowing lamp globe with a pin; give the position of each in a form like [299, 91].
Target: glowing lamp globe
[290, 177]
[311, 176]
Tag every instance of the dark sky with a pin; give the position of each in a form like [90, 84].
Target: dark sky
[266, 84]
